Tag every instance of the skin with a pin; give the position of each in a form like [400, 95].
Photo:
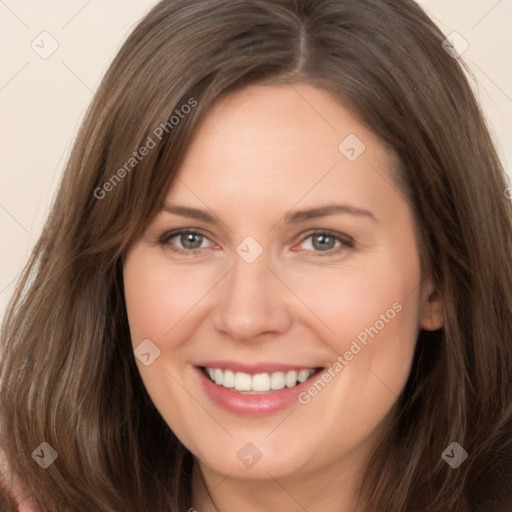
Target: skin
[261, 153]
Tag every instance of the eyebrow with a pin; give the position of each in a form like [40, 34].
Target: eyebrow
[324, 211]
[192, 213]
[290, 218]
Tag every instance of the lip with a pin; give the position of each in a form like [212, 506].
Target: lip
[253, 369]
[252, 405]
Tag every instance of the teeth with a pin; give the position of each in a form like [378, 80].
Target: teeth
[303, 375]
[228, 380]
[242, 381]
[291, 379]
[260, 382]
[277, 380]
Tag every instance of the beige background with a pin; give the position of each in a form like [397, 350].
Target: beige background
[42, 101]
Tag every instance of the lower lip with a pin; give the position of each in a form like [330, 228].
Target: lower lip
[251, 405]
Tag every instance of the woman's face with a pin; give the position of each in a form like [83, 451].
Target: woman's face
[284, 249]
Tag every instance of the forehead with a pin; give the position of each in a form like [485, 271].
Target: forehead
[285, 143]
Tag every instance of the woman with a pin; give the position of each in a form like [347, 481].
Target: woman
[276, 276]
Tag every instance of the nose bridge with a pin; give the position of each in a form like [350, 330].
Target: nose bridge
[252, 300]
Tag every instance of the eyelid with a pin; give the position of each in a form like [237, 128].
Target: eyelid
[168, 235]
[345, 240]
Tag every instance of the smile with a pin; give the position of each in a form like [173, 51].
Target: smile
[253, 391]
[259, 382]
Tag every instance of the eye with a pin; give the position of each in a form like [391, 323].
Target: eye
[326, 242]
[185, 241]
[322, 242]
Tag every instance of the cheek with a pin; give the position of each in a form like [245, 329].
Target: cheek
[363, 301]
[372, 311]
[370, 322]
[157, 300]
[159, 296]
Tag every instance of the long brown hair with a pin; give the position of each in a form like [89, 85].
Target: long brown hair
[68, 375]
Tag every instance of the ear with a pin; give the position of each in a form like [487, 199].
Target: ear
[431, 307]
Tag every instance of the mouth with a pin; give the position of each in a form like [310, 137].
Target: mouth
[254, 393]
[258, 383]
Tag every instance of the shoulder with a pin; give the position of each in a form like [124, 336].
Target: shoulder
[10, 490]
[13, 501]
[25, 508]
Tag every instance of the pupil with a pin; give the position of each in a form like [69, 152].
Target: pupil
[325, 242]
[188, 241]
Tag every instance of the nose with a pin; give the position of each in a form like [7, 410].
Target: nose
[252, 302]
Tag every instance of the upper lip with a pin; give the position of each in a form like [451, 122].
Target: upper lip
[253, 369]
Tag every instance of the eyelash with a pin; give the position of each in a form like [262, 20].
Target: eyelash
[346, 241]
